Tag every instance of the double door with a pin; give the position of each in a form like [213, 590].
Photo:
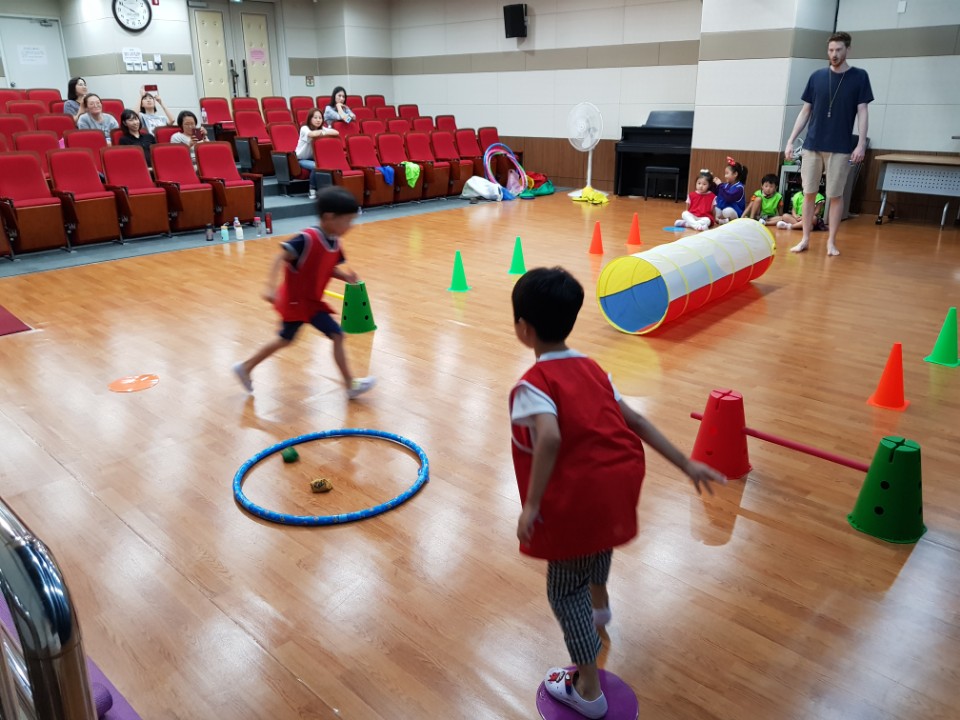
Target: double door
[236, 49]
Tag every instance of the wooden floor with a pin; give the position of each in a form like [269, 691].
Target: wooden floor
[759, 603]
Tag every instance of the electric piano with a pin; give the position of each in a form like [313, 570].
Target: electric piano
[663, 141]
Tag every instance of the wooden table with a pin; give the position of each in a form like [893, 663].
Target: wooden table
[919, 174]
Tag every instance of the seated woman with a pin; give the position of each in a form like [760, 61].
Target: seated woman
[134, 134]
[191, 133]
[150, 117]
[313, 128]
[337, 109]
[94, 118]
[76, 89]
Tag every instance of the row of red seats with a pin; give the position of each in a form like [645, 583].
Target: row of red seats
[76, 207]
[444, 168]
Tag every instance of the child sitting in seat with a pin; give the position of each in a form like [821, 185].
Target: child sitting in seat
[794, 221]
[700, 204]
[767, 203]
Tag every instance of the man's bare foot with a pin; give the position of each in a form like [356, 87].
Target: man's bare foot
[800, 246]
[832, 250]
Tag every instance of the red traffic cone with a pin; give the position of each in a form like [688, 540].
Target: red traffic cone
[596, 244]
[634, 237]
[889, 393]
[721, 442]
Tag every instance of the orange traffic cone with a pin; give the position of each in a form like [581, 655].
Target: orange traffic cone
[596, 244]
[634, 237]
[721, 442]
[889, 392]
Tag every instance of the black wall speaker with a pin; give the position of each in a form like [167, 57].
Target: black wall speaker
[515, 20]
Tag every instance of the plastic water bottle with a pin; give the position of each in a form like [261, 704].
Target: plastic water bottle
[269, 224]
[209, 233]
[203, 116]
[256, 224]
[238, 228]
[225, 233]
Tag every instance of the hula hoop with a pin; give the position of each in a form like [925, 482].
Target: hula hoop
[501, 149]
[314, 520]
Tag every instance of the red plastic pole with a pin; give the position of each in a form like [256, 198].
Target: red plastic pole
[799, 447]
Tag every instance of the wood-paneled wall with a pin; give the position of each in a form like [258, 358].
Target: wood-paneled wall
[757, 163]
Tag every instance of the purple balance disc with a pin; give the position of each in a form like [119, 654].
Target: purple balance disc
[622, 702]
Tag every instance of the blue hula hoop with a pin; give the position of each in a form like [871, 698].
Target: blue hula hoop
[314, 520]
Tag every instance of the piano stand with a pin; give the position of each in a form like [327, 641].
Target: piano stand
[655, 173]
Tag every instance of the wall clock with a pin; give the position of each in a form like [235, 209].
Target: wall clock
[133, 15]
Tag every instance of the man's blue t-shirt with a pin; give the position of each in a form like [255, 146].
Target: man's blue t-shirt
[848, 89]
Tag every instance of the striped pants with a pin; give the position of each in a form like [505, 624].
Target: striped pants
[568, 589]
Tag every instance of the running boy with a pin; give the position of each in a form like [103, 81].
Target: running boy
[579, 462]
[309, 260]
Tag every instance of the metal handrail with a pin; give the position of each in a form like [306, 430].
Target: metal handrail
[46, 622]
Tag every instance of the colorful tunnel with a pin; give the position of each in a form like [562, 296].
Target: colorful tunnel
[639, 293]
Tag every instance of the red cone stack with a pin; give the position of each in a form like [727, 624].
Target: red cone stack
[721, 442]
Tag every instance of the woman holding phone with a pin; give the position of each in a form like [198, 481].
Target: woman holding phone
[191, 132]
[150, 105]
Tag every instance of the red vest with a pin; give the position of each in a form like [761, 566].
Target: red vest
[591, 500]
[702, 205]
[300, 295]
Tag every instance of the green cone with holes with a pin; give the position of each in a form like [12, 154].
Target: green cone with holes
[357, 315]
[890, 505]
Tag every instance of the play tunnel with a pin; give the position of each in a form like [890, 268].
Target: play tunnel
[639, 293]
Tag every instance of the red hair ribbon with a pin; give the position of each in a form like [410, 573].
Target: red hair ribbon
[731, 161]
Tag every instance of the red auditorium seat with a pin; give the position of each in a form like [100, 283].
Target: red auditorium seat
[301, 102]
[285, 137]
[386, 112]
[424, 123]
[190, 201]
[408, 111]
[330, 157]
[47, 96]
[247, 104]
[55, 122]
[29, 109]
[237, 195]
[446, 122]
[460, 168]
[354, 101]
[391, 151]
[374, 101]
[90, 209]
[253, 142]
[10, 124]
[277, 115]
[92, 140]
[372, 127]
[437, 180]
[362, 155]
[274, 102]
[143, 206]
[469, 148]
[31, 214]
[164, 133]
[112, 106]
[363, 113]
[400, 126]
[40, 142]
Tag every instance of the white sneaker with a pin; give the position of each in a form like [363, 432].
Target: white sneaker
[359, 386]
[783, 225]
[312, 195]
[680, 223]
[702, 225]
[243, 376]
[762, 221]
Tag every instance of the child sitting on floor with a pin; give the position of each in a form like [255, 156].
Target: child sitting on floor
[794, 221]
[699, 212]
[767, 203]
[731, 196]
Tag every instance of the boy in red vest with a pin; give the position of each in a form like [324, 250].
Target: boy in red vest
[309, 260]
[579, 462]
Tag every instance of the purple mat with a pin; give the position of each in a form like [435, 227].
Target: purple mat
[111, 705]
[622, 702]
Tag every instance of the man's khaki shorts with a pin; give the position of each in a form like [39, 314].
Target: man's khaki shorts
[812, 167]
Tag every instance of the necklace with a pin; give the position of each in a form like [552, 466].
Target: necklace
[834, 94]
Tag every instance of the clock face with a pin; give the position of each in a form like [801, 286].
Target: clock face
[133, 15]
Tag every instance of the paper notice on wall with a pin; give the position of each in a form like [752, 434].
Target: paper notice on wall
[132, 55]
[257, 55]
[32, 54]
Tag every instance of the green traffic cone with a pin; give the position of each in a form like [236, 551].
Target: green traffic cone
[945, 350]
[459, 281]
[357, 315]
[890, 504]
[516, 265]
